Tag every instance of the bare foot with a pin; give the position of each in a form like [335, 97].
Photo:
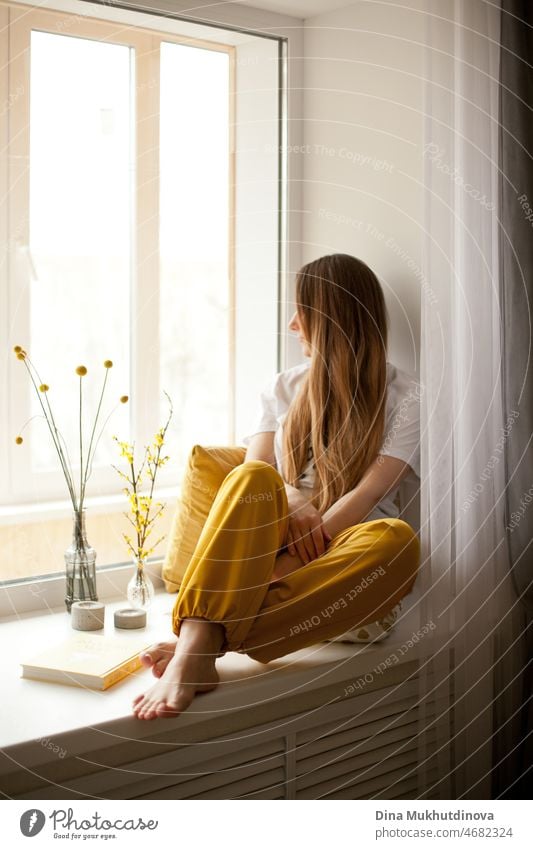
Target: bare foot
[158, 656]
[190, 670]
[177, 687]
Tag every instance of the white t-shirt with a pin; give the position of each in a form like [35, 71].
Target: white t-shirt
[402, 426]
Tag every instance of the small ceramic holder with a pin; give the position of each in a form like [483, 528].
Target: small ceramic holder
[87, 615]
[130, 617]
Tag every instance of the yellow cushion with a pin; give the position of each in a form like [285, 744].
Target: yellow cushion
[206, 469]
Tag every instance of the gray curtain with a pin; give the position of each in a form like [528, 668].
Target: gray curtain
[516, 282]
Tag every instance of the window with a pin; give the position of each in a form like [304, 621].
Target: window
[129, 237]
[125, 136]
[195, 297]
[80, 237]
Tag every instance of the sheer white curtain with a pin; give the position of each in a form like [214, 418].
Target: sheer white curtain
[465, 579]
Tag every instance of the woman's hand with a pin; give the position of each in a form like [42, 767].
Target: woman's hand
[306, 536]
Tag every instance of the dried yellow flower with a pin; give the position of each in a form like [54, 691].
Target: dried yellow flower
[140, 505]
[81, 371]
[108, 364]
[17, 349]
[19, 440]
[124, 399]
[44, 387]
[21, 355]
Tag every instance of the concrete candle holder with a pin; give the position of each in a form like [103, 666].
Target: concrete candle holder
[130, 617]
[87, 615]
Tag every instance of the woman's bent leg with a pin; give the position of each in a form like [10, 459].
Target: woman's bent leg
[230, 570]
[224, 585]
[364, 572]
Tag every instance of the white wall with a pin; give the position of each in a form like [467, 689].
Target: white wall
[256, 223]
[362, 158]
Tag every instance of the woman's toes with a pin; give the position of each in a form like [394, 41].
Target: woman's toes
[152, 713]
[173, 692]
[150, 656]
[159, 667]
[167, 709]
[144, 713]
[156, 653]
[144, 702]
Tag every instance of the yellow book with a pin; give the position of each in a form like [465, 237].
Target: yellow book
[88, 660]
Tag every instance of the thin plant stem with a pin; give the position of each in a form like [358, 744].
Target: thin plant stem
[53, 432]
[67, 464]
[121, 473]
[99, 438]
[79, 581]
[130, 520]
[81, 448]
[85, 477]
[61, 438]
[80, 556]
[154, 517]
[159, 447]
[135, 481]
[143, 523]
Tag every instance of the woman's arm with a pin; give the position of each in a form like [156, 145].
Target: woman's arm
[382, 476]
[261, 447]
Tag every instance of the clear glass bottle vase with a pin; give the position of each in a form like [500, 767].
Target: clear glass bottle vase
[80, 563]
[140, 591]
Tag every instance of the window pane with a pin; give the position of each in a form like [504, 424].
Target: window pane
[80, 232]
[194, 228]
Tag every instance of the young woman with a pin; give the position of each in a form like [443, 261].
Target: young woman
[302, 542]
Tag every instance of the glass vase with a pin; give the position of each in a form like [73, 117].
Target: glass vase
[140, 591]
[80, 562]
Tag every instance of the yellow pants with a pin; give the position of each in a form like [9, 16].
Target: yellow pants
[366, 569]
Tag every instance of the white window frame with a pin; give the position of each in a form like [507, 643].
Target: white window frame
[144, 417]
[238, 27]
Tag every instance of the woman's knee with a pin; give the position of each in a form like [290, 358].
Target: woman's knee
[393, 540]
[402, 529]
[257, 468]
[403, 542]
[260, 480]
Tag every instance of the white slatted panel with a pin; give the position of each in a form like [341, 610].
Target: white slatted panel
[389, 762]
[372, 755]
[363, 747]
[354, 743]
[247, 779]
[210, 765]
[202, 773]
[405, 788]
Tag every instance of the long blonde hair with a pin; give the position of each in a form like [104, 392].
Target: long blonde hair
[339, 409]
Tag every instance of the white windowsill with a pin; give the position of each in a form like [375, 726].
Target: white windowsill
[81, 721]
